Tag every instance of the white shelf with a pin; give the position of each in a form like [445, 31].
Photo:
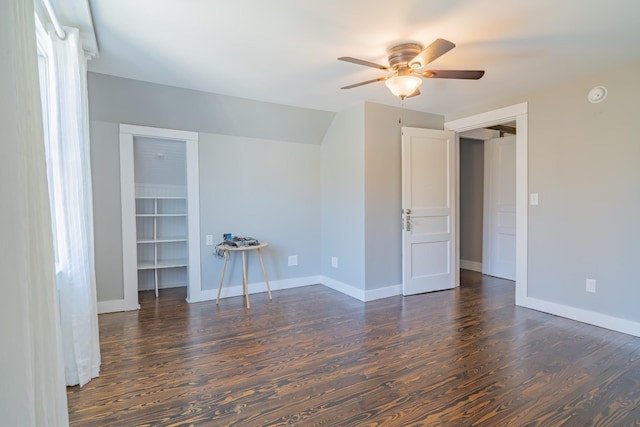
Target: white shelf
[164, 240]
[168, 263]
[158, 215]
[160, 198]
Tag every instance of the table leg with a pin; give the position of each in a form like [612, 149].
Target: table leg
[264, 272]
[224, 267]
[244, 278]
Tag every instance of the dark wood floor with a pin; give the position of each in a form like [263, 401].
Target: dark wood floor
[315, 357]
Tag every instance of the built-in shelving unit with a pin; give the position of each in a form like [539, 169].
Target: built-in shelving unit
[162, 239]
[160, 206]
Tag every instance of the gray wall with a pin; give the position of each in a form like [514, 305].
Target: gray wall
[117, 100]
[383, 189]
[340, 198]
[583, 162]
[105, 173]
[342, 189]
[471, 199]
[361, 194]
[275, 198]
[265, 189]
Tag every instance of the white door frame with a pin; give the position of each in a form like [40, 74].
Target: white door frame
[128, 206]
[519, 113]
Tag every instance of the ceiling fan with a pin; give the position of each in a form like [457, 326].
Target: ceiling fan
[406, 61]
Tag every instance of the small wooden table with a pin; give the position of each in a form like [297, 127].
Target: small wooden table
[243, 249]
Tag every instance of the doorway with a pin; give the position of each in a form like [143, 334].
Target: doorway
[471, 178]
[160, 221]
[487, 201]
[519, 113]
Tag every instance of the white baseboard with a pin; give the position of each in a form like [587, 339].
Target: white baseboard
[386, 292]
[344, 288]
[259, 287]
[360, 294]
[111, 306]
[255, 288]
[471, 265]
[592, 318]
[165, 286]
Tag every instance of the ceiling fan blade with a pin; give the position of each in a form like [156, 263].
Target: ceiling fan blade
[432, 52]
[379, 79]
[362, 62]
[453, 74]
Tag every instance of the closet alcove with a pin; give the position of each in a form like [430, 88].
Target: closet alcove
[160, 211]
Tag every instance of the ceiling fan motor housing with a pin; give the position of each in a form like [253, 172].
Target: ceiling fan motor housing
[400, 55]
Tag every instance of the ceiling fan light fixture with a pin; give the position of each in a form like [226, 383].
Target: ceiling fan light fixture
[405, 59]
[403, 86]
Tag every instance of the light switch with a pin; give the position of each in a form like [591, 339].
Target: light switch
[533, 199]
[209, 239]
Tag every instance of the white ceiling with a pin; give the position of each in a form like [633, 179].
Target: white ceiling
[285, 51]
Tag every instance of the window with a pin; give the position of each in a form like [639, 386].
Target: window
[51, 139]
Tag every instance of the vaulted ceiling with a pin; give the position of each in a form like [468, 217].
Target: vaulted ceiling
[285, 51]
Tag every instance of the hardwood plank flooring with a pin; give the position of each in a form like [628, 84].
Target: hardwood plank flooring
[315, 357]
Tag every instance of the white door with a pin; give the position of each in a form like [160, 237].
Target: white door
[499, 236]
[428, 207]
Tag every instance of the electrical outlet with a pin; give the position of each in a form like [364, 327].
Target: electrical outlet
[533, 199]
[334, 262]
[591, 286]
[209, 240]
[293, 260]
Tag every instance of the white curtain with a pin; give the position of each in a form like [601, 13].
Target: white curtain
[72, 210]
[32, 391]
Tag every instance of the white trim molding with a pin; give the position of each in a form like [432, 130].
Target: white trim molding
[111, 306]
[180, 135]
[519, 113]
[128, 212]
[194, 287]
[297, 282]
[471, 265]
[489, 118]
[127, 194]
[344, 288]
[275, 285]
[380, 293]
[585, 316]
[360, 294]
[255, 288]
[227, 292]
